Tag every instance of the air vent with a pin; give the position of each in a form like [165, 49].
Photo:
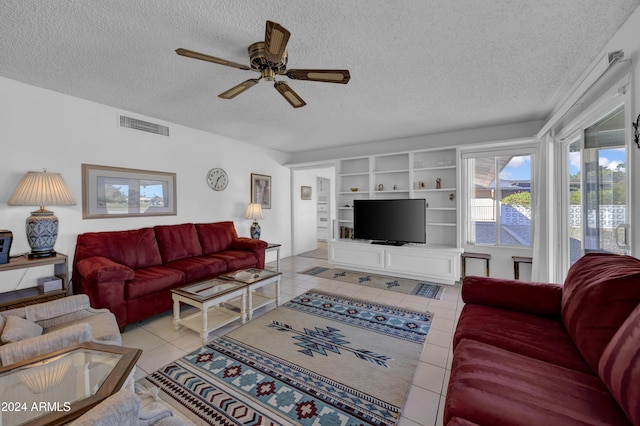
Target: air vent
[145, 126]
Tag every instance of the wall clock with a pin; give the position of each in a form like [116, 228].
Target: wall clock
[217, 179]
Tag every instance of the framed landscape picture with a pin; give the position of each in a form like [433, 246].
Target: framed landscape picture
[305, 192]
[118, 192]
[261, 190]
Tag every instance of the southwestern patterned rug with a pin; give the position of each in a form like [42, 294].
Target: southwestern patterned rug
[320, 359]
[400, 285]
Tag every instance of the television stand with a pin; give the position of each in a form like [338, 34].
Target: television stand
[428, 262]
[388, 243]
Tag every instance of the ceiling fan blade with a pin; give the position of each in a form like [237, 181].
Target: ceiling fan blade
[276, 38]
[327, 76]
[288, 93]
[208, 58]
[236, 90]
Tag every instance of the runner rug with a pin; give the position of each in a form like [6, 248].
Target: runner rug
[320, 359]
[401, 285]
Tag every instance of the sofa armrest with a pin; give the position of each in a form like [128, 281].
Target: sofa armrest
[46, 343]
[536, 298]
[56, 308]
[101, 269]
[121, 408]
[249, 244]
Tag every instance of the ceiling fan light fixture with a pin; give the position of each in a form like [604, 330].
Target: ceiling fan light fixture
[269, 58]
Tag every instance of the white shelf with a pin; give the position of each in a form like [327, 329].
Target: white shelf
[353, 174]
[440, 224]
[428, 169]
[435, 190]
[442, 208]
[383, 172]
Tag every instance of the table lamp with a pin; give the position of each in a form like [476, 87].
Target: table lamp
[40, 189]
[254, 211]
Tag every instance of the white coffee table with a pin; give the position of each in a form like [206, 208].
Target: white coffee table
[209, 297]
[253, 279]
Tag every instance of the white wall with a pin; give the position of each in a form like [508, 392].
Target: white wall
[45, 129]
[304, 211]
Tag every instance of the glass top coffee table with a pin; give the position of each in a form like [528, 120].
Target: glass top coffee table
[61, 386]
[253, 279]
[209, 297]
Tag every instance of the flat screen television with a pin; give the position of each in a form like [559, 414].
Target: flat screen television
[390, 221]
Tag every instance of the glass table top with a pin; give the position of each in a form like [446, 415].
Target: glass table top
[53, 384]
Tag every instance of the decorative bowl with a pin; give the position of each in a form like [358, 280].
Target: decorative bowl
[354, 189]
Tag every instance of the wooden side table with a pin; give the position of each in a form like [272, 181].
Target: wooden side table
[468, 255]
[32, 295]
[517, 260]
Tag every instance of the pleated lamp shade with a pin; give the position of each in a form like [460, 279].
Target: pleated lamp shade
[42, 189]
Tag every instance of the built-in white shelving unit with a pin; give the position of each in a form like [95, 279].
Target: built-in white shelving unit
[429, 174]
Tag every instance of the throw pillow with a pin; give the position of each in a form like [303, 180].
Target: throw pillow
[17, 329]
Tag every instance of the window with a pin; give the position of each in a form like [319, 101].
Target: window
[499, 195]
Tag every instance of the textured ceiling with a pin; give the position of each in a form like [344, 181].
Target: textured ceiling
[417, 67]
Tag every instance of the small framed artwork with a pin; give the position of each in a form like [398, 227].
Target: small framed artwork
[118, 192]
[261, 190]
[305, 192]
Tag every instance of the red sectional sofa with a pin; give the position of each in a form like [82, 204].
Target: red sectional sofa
[132, 272]
[530, 353]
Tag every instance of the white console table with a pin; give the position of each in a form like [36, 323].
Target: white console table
[438, 263]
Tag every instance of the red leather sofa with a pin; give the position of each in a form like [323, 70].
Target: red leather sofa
[132, 272]
[530, 353]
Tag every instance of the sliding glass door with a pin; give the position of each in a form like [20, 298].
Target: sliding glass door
[597, 192]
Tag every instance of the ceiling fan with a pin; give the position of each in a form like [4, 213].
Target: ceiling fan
[269, 58]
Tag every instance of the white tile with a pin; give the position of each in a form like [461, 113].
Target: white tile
[421, 406]
[156, 358]
[436, 355]
[141, 339]
[429, 376]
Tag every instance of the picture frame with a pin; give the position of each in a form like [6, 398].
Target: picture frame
[261, 190]
[305, 192]
[110, 192]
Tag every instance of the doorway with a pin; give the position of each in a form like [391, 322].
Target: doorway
[597, 193]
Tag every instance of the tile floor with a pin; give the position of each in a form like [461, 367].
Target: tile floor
[162, 344]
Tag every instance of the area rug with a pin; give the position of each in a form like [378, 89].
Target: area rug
[401, 285]
[320, 359]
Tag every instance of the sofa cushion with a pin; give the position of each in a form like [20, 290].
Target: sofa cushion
[152, 280]
[492, 386]
[178, 241]
[216, 237]
[136, 248]
[599, 293]
[17, 329]
[199, 268]
[620, 366]
[537, 337]
[236, 259]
